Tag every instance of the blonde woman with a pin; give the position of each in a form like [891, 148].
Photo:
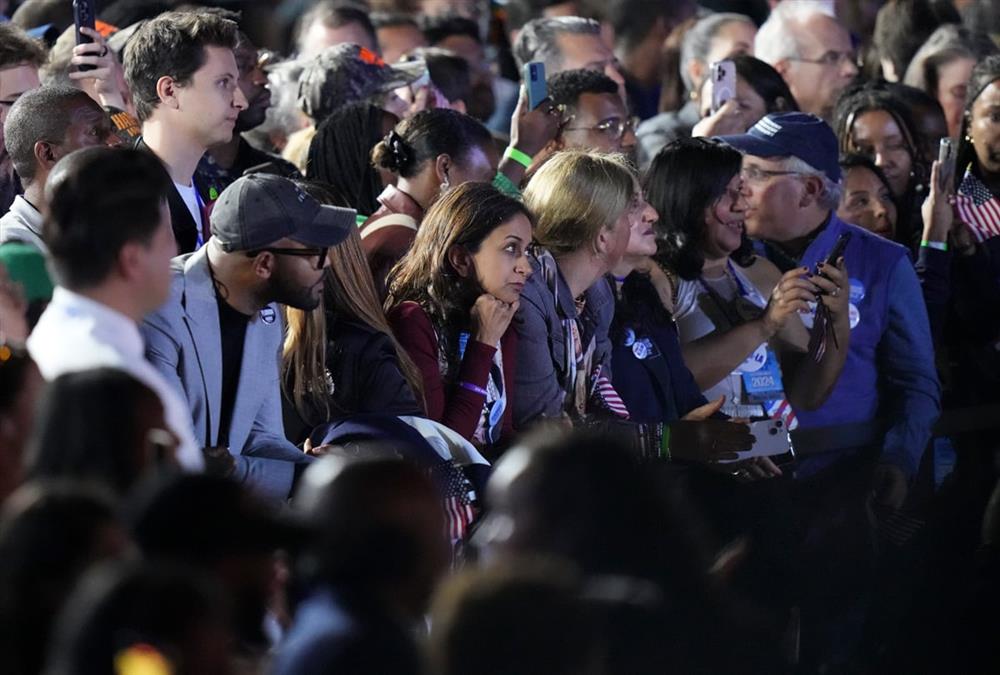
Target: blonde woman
[451, 301]
[586, 208]
[581, 204]
[341, 359]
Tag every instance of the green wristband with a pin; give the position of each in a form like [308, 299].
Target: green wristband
[665, 442]
[936, 245]
[521, 158]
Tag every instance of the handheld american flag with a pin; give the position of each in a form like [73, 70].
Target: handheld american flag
[978, 208]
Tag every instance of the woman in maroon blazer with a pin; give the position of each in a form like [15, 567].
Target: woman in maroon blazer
[451, 301]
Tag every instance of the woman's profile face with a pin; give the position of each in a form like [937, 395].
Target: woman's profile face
[724, 221]
[984, 128]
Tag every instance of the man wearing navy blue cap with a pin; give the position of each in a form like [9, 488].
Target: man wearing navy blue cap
[791, 181]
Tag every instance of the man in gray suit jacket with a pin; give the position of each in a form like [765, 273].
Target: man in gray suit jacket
[218, 338]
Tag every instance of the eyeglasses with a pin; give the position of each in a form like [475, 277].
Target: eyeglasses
[613, 127]
[318, 253]
[752, 174]
[831, 58]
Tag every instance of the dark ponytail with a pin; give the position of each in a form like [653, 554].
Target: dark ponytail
[426, 135]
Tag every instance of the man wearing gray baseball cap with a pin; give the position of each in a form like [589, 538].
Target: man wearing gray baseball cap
[218, 337]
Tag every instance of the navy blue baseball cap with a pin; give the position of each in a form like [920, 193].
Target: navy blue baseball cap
[792, 134]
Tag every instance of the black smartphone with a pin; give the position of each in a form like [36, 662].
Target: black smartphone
[838, 250]
[84, 14]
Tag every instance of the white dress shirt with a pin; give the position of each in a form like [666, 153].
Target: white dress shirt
[76, 333]
[23, 223]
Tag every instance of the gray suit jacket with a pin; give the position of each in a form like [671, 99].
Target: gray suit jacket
[541, 376]
[183, 341]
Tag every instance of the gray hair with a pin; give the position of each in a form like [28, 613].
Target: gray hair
[776, 39]
[537, 39]
[697, 42]
[829, 197]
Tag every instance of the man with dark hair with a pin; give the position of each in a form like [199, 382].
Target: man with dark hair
[185, 86]
[225, 162]
[218, 336]
[461, 36]
[214, 525]
[641, 27]
[397, 34]
[43, 126]
[332, 22]
[108, 233]
[567, 43]
[593, 115]
[20, 59]
[449, 74]
[377, 554]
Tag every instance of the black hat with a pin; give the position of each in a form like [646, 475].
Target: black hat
[259, 209]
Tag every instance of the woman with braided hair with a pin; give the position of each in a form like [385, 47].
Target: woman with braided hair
[340, 155]
[428, 153]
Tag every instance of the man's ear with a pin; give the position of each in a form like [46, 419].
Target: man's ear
[782, 67]
[166, 91]
[461, 261]
[130, 260]
[813, 189]
[45, 154]
[264, 265]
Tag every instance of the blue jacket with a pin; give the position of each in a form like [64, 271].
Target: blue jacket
[648, 367]
[889, 372]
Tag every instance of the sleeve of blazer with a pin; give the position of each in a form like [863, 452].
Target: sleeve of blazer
[267, 462]
[538, 390]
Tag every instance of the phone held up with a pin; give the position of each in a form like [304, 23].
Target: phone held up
[946, 159]
[534, 82]
[84, 16]
[723, 83]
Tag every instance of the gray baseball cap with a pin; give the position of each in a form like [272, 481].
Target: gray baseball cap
[345, 73]
[259, 209]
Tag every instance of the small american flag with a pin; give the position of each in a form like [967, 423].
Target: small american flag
[459, 499]
[978, 208]
[606, 395]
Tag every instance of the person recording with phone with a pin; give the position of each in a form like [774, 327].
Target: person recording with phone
[738, 92]
[887, 391]
[737, 316]
[792, 184]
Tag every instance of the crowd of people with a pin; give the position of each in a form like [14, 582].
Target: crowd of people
[327, 347]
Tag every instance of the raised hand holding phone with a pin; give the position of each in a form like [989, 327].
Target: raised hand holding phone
[84, 16]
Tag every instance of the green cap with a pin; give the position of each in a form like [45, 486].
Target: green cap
[25, 265]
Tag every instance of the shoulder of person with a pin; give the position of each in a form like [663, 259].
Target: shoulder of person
[350, 335]
[763, 273]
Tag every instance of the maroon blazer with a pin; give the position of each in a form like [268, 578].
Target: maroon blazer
[456, 407]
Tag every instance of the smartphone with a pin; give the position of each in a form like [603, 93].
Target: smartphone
[772, 440]
[534, 82]
[84, 14]
[838, 250]
[946, 157]
[723, 83]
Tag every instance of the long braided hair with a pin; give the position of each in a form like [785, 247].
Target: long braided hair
[340, 155]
